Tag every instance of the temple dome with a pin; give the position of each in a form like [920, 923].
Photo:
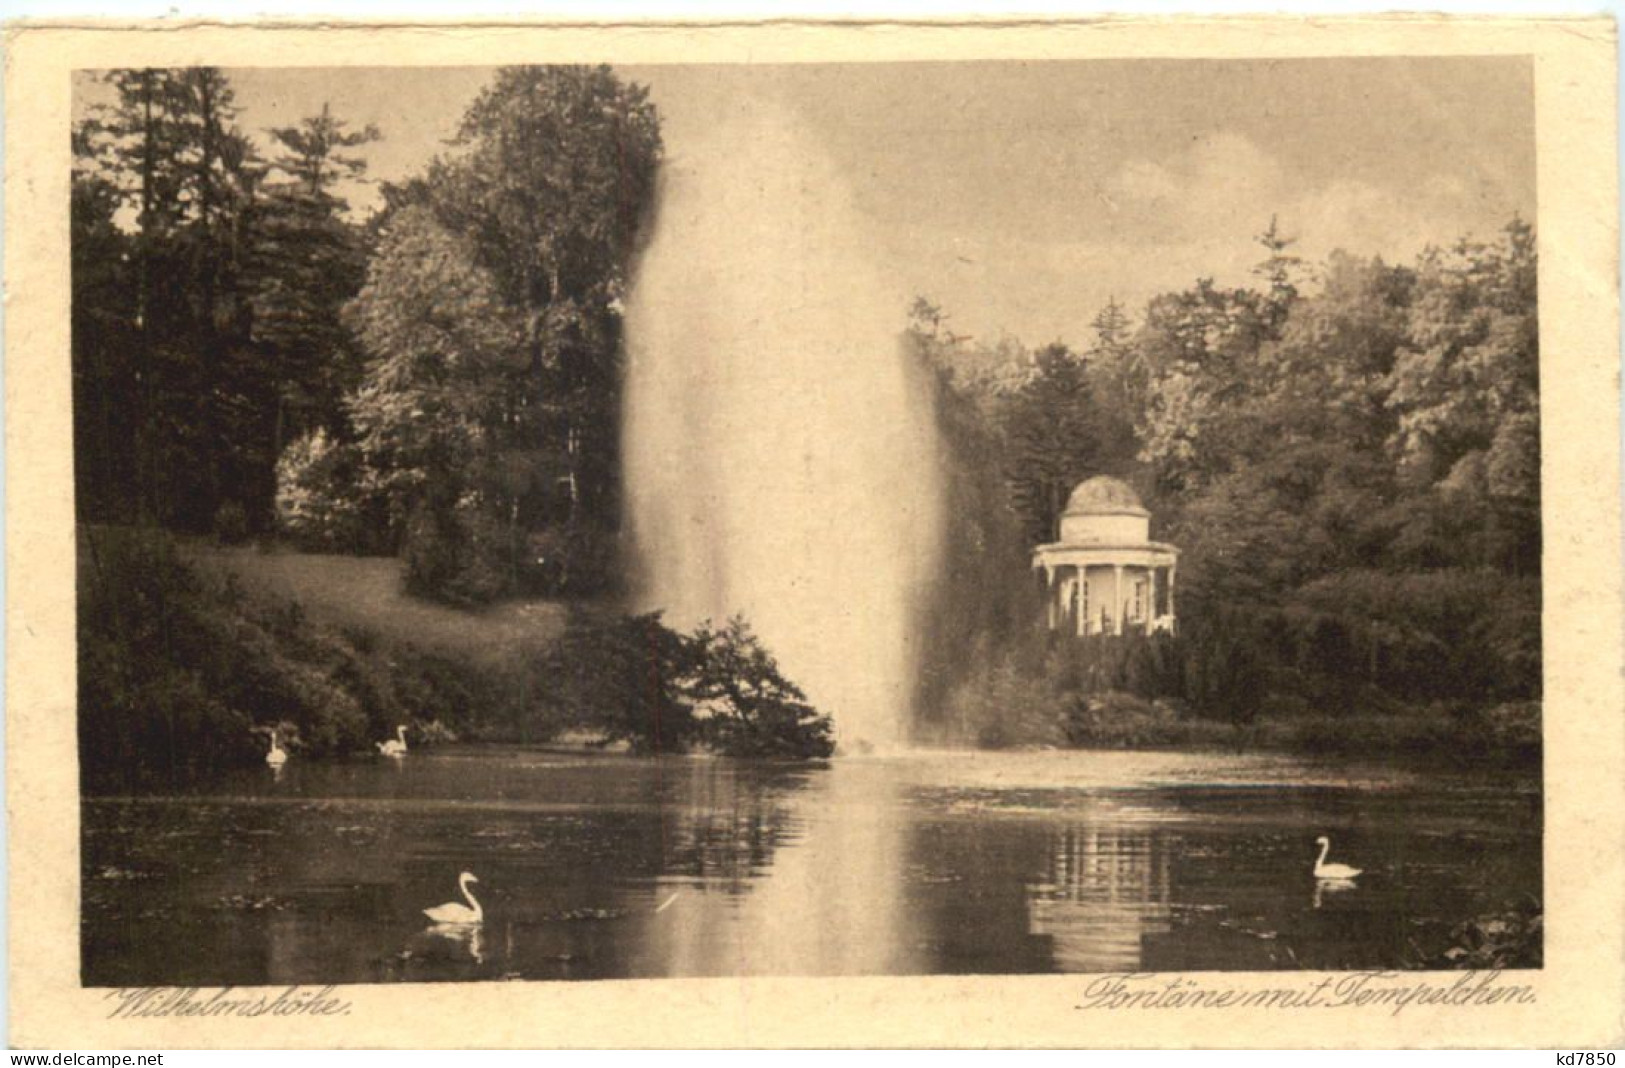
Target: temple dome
[1104, 495]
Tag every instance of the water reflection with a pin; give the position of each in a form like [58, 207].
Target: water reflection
[1104, 890]
[598, 866]
[1326, 887]
[831, 903]
[464, 938]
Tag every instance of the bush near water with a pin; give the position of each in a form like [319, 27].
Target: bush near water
[1140, 691]
[180, 659]
[179, 663]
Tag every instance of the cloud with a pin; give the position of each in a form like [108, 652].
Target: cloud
[1223, 190]
[1157, 225]
[1214, 186]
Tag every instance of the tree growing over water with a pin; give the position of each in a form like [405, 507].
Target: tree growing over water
[743, 704]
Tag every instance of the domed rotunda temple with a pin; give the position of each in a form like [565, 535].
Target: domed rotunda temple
[1105, 575]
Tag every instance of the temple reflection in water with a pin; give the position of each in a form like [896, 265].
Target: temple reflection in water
[1104, 891]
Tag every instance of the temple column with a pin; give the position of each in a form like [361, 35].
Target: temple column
[1117, 596]
[1151, 599]
[1083, 600]
[1049, 596]
[1173, 569]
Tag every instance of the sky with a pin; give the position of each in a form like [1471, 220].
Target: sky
[1021, 196]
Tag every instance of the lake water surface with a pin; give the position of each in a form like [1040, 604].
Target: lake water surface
[609, 866]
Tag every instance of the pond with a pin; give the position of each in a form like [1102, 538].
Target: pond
[598, 865]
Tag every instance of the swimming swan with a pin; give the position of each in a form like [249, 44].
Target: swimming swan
[277, 756]
[1331, 871]
[396, 746]
[456, 914]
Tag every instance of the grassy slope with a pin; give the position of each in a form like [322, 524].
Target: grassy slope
[364, 593]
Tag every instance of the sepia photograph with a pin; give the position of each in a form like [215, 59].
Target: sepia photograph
[804, 534]
[569, 521]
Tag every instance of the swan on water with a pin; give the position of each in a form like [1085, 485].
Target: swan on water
[454, 913]
[277, 756]
[396, 746]
[1331, 871]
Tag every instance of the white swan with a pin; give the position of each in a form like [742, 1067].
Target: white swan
[455, 914]
[396, 746]
[277, 756]
[1331, 871]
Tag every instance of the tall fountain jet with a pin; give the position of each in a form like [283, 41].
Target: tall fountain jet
[781, 453]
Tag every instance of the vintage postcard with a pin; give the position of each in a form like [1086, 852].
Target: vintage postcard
[1036, 534]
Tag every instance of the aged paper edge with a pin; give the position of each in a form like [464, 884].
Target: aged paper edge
[1579, 992]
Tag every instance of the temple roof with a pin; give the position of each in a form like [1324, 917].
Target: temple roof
[1104, 495]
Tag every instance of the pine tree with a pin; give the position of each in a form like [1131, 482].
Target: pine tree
[1279, 269]
[308, 263]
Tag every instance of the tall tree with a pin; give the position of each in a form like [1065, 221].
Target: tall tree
[1058, 435]
[544, 195]
[185, 175]
[105, 353]
[433, 412]
[308, 262]
[1199, 349]
[130, 148]
[316, 153]
[980, 597]
[556, 172]
[1279, 270]
[1465, 391]
[219, 403]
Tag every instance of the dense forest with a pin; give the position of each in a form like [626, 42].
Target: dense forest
[1346, 452]
[439, 381]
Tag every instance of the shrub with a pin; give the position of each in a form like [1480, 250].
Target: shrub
[485, 561]
[633, 679]
[1006, 704]
[1146, 664]
[1116, 719]
[457, 552]
[574, 560]
[231, 524]
[177, 670]
[1425, 635]
[318, 494]
[1511, 937]
[621, 676]
[1222, 667]
[145, 705]
[435, 732]
[429, 551]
